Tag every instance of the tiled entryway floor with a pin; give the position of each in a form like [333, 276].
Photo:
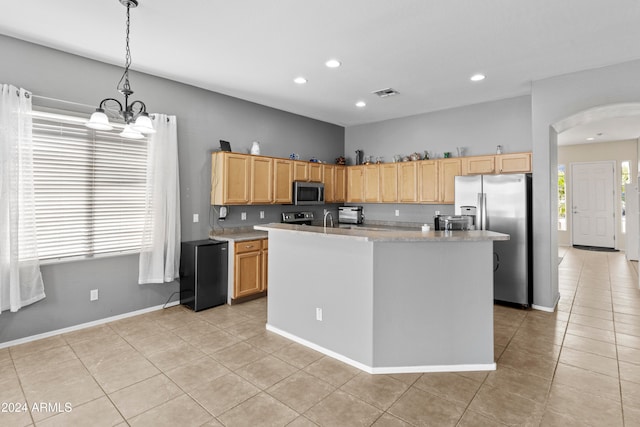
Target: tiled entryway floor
[579, 366]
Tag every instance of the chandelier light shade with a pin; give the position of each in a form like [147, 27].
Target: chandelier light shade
[137, 120]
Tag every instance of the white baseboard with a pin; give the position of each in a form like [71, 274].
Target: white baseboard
[386, 369]
[547, 309]
[86, 325]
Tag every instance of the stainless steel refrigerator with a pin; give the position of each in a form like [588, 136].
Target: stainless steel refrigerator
[502, 203]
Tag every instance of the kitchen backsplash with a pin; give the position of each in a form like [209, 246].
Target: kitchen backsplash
[407, 213]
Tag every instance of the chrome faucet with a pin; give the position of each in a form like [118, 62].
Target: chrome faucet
[324, 221]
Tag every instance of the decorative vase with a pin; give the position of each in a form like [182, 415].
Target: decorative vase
[255, 148]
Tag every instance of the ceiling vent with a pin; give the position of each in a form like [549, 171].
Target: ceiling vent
[383, 93]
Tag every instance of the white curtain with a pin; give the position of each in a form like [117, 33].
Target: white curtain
[20, 278]
[160, 255]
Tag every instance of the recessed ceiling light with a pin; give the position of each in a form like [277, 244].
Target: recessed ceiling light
[478, 77]
[361, 104]
[300, 80]
[332, 63]
[590, 138]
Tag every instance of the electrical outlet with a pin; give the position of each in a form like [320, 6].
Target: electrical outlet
[243, 216]
[93, 295]
[196, 218]
[319, 314]
[437, 213]
[261, 214]
[397, 212]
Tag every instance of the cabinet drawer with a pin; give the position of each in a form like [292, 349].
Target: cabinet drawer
[248, 246]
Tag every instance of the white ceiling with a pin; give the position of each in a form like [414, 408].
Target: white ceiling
[425, 49]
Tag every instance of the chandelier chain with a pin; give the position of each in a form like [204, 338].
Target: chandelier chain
[123, 85]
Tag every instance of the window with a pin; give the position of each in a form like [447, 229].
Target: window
[625, 179]
[562, 199]
[89, 189]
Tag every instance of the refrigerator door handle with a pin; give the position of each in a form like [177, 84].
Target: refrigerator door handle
[497, 262]
[483, 209]
[479, 216]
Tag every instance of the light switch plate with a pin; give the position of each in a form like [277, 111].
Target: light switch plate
[93, 295]
[261, 214]
[397, 212]
[243, 216]
[196, 218]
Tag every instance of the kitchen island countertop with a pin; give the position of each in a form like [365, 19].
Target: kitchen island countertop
[389, 234]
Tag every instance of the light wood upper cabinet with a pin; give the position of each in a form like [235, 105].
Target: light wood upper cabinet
[429, 181]
[261, 180]
[513, 163]
[355, 184]
[448, 170]
[315, 172]
[478, 165]
[371, 183]
[334, 178]
[300, 170]
[340, 189]
[230, 178]
[389, 182]
[408, 182]
[282, 180]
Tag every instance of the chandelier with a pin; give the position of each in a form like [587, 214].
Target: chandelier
[137, 121]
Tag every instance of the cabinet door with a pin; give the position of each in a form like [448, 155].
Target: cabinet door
[247, 279]
[448, 170]
[315, 172]
[282, 180]
[408, 182]
[389, 183]
[371, 183]
[235, 179]
[478, 165]
[514, 163]
[261, 180]
[300, 171]
[355, 184]
[429, 181]
[340, 188]
[329, 180]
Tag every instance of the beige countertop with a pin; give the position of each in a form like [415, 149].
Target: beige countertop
[238, 235]
[388, 234]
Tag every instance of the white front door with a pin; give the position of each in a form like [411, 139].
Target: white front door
[593, 204]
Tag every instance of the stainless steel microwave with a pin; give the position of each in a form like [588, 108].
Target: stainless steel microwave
[308, 193]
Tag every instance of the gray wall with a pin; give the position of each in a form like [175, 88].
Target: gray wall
[555, 99]
[204, 118]
[479, 128]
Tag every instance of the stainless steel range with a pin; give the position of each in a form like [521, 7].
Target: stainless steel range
[301, 218]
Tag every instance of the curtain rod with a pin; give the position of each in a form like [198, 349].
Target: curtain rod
[46, 98]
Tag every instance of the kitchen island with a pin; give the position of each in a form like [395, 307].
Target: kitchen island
[385, 301]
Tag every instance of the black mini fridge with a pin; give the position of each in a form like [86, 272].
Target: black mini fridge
[203, 274]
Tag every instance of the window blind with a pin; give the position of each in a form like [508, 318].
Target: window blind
[89, 189]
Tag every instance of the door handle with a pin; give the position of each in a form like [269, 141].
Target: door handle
[497, 261]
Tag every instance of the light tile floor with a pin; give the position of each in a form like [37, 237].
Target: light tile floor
[576, 367]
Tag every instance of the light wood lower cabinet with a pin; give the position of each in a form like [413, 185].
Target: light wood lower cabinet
[250, 275]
